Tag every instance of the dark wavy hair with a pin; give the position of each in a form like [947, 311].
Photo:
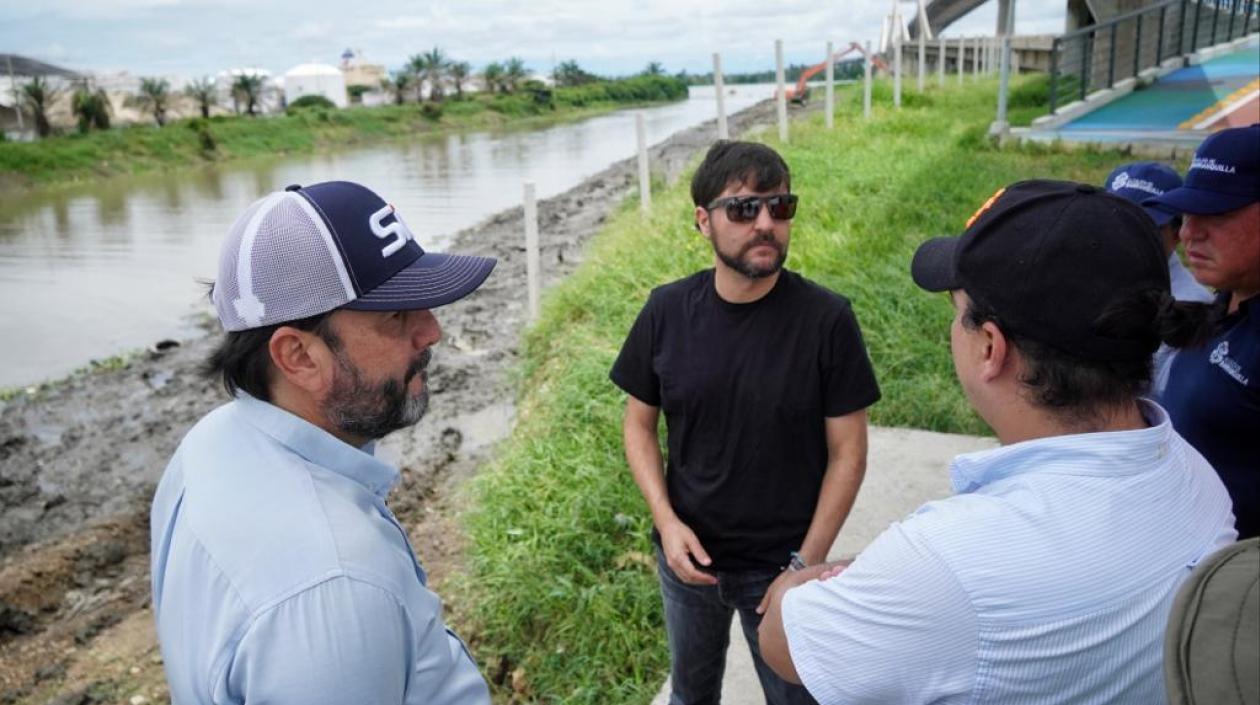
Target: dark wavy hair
[746, 162]
[1080, 390]
[242, 359]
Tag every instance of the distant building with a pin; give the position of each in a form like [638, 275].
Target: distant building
[315, 79]
[359, 72]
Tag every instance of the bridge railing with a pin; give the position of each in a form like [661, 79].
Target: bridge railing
[1097, 57]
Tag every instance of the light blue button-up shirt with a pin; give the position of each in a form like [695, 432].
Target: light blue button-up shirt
[280, 576]
[1047, 579]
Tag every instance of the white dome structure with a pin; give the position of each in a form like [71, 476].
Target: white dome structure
[315, 79]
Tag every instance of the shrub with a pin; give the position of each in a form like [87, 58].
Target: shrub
[310, 101]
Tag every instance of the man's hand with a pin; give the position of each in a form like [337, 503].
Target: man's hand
[771, 637]
[679, 543]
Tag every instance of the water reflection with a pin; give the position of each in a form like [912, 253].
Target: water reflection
[112, 266]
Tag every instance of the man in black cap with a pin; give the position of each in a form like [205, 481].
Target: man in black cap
[279, 573]
[1048, 576]
[1213, 391]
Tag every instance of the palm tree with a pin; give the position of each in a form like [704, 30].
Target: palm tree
[37, 96]
[514, 73]
[459, 72]
[204, 92]
[248, 87]
[92, 107]
[154, 96]
[492, 76]
[568, 73]
[654, 68]
[430, 67]
[399, 85]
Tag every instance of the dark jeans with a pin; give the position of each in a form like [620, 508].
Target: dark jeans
[698, 619]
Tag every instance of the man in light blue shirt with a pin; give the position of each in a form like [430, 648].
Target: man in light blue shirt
[1049, 576]
[279, 573]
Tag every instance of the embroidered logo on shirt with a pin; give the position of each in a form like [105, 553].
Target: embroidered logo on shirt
[1220, 357]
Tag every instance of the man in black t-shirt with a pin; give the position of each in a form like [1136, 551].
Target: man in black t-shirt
[764, 381]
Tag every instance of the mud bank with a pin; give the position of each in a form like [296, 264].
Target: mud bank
[79, 460]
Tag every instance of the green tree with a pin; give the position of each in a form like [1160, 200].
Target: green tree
[492, 77]
[430, 67]
[204, 92]
[247, 88]
[459, 72]
[37, 96]
[568, 73]
[92, 107]
[514, 73]
[154, 97]
[399, 84]
[654, 68]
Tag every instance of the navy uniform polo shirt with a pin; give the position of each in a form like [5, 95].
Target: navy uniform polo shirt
[1213, 398]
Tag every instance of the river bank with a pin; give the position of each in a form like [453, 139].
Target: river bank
[78, 459]
[74, 158]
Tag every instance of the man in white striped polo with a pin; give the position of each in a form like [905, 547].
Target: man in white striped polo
[1049, 576]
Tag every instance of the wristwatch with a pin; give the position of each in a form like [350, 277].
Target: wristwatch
[795, 562]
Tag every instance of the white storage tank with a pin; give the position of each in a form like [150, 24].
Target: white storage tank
[315, 79]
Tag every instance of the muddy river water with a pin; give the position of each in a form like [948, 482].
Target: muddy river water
[89, 272]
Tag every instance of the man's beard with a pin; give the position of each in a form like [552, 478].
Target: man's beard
[356, 407]
[747, 268]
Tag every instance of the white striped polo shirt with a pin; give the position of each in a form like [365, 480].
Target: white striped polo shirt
[1048, 578]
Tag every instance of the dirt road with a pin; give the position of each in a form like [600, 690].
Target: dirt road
[80, 458]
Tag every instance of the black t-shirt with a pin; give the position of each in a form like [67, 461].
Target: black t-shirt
[745, 389]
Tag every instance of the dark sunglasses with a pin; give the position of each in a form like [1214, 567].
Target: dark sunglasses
[744, 209]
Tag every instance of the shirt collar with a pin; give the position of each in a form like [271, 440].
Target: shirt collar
[1107, 453]
[319, 446]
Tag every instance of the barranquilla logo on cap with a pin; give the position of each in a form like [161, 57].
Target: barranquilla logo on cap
[397, 229]
[1210, 164]
[987, 205]
[1123, 180]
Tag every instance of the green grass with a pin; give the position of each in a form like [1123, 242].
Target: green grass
[560, 587]
[182, 143]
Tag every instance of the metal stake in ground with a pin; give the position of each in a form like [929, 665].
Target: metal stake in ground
[778, 79]
[532, 265]
[645, 179]
[831, 90]
[896, 42]
[723, 131]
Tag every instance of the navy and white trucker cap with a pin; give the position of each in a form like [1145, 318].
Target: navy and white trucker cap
[1223, 176]
[307, 250]
[1141, 181]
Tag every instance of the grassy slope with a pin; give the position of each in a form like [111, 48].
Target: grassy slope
[139, 148]
[561, 587]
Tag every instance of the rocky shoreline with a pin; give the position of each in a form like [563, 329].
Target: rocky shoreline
[79, 459]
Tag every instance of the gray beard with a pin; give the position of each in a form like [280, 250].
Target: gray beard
[356, 407]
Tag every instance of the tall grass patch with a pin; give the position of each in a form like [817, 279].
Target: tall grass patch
[562, 592]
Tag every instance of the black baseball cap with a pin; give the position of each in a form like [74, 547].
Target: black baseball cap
[1049, 257]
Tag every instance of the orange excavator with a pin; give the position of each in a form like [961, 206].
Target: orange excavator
[800, 92]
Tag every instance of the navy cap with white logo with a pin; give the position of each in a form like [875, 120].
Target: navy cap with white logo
[308, 250]
[1141, 181]
[1223, 176]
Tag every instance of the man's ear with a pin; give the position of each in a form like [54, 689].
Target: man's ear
[702, 221]
[301, 358]
[997, 352]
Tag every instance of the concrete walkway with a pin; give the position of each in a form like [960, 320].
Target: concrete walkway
[905, 468]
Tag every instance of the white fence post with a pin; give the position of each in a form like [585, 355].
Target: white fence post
[962, 57]
[831, 90]
[940, 65]
[896, 30]
[922, 58]
[532, 266]
[866, 84]
[723, 131]
[778, 78]
[645, 178]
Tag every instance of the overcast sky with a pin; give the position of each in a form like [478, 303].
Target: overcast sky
[187, 38]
